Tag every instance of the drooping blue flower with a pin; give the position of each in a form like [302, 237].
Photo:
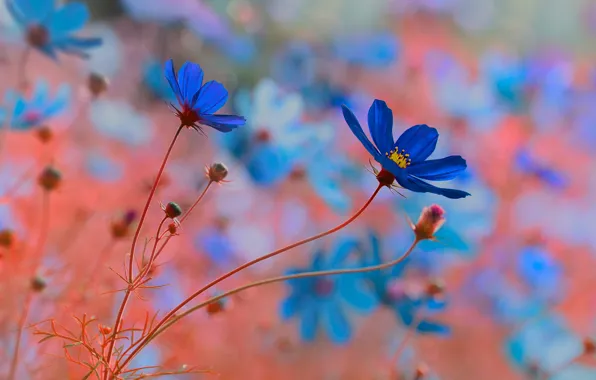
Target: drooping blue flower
[50, 28]
[406, 158]
[39, 108]
[197, 101]
[531, 166]
[407, 307]
[319, 302]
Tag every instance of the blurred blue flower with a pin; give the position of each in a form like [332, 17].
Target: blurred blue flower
[218, 247]
[103, 167]
[39, 108]
[541, 273]
[242, 49]
[118, 120]
[319, 302]
[508, 79]
[275, 138]
[197, 101]
[155, 81]
[294, 65]
[392, 294]
[50, 29]
[371, 51]
[406, 158]
[545, 343]
[530, 166]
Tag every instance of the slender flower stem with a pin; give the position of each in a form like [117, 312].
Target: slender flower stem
[128, 292]
[37, 257]
[259, 259]
[145, 268]
[157, 331]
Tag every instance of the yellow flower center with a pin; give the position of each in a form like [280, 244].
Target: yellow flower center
[402, 159]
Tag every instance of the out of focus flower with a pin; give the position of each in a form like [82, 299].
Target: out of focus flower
[508, 78]
[541, 273]
[107, 59]
[103, 167]
[371, 51]
[275, 138]
[118, 120]
[294, 65]
[197, 101]
[389, 287]
[39, 108]
[532, 167]
[216, 244]
[544, 345]
[319, 302]
[406, 159]
[50, 29]
[155, 81]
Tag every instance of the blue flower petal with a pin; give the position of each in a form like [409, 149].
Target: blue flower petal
[380, 123]
[429, 327]
[343, 248]
[418, 141]
[212, 96]
[359, 133]
[438, 170]
[417, 185]
[170, 75]
[190, 80]
[68, 19]
[34, 11]
[17, 13]
[405, 309]
[223, 123]
[309, 323]
[289, 307]
[353, 290]
[335, 323]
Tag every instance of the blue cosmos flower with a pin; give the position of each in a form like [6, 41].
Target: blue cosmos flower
[39, 109]
[50, 29]
[406, 158]
[197, 101]
[119, 121]
[530, 166]
[407, 307]
[156, 83]
[319, 302]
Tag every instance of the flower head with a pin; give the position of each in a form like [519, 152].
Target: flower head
[39, 108]
[197, 101]
[50, 28]
[405, 160]
[430, 220]
[318, 301]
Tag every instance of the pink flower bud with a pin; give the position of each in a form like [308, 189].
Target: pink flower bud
[431, 219]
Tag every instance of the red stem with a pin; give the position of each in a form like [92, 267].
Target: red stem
[128, 292]
[246, 265]
[38, 254]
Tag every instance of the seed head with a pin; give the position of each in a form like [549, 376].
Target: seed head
[430, 220]
[120, 228]
[38, 284]
[6, 238]
[50, 178]
[44, 134]
[97, 84]
[435, 288]
[217, 172]
[172, 210]
[173, 228]
[215, 307]
[105, 330]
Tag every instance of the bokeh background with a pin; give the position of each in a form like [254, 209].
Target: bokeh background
[506, 293]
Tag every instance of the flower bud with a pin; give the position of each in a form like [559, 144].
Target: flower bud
[97, 84]
[172, 228]
[105, 330]
[172, 210]
[6, 238]
[217, 172]
[589, 346]
[216, 307]
[38, 284]
[121, 228]
[50, 178]
[44, 134]
[430, 220]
